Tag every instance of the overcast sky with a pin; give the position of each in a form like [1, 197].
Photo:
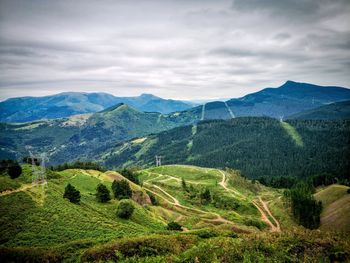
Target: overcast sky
[182, 49]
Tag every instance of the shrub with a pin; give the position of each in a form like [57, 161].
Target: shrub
[174, 226]
[154, 200]
[14, 170]
[125, 209]
[102, 193]
[72, 194]
[205, 196]
[131, 175]
[121, 189]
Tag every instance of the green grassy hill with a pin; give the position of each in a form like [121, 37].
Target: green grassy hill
[242, 221]
[83, 136]
[336, 208]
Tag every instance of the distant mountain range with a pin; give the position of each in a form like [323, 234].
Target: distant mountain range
[86, 135]
[289, 99]
[66, 104]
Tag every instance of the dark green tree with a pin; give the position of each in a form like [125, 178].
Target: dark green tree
[205, 196]
[125, 209]
[131, 175]
[174, 226]
[184, 185]
[72, 194]
[12, 168]
[121, 189]
[102, 193]
[306, 210]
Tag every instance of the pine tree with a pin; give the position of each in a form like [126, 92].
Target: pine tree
[72, 194]
[102, 193]
[184, 185]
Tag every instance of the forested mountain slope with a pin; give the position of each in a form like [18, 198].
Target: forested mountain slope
[333, 111]
[290, 98]
[83, 136]
[256, 146]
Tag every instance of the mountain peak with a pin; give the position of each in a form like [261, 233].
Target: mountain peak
[114, 107]
[148, 95]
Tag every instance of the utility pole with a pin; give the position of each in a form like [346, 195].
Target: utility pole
[158, 160]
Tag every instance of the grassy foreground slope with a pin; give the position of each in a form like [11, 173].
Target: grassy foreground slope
[336, 208]
[243, 221]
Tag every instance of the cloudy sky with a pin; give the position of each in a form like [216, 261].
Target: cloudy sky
[183, 49]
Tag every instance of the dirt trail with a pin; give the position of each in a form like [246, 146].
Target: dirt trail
[278, 227]
[175, 202]
[273, 227]
[224, 185]
[24, 187]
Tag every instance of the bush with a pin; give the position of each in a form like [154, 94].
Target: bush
[121, 189]
[174, 226]
[72, 194]
[12, 168]
[154, 200]
[131, 175]
[125, 209]
[102, 193]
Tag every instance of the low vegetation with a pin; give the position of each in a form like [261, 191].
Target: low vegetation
[38, 225]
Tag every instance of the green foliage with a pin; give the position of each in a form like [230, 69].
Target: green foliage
[174, 226]
[102, 193]
[79, 165]
[12, 168]
[306, 210]
[254, 222]
[184, 185]
[130, 174]
[72, 194]
[154, 199]
[147, 246]
[125, 209]
[254, 145]
[205, 196]
[14, 171]
[121, 189]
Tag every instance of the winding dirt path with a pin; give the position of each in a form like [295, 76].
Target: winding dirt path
[277, 224]
[273, 227]
[176, 203]
[24, 187]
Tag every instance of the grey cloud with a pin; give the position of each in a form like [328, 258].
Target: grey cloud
[205, 48]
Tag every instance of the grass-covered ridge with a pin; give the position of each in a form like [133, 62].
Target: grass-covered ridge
[242, 220]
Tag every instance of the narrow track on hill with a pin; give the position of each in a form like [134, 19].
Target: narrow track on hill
[277, 224]
[23, 188]
[176, 203]
[273, 227]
